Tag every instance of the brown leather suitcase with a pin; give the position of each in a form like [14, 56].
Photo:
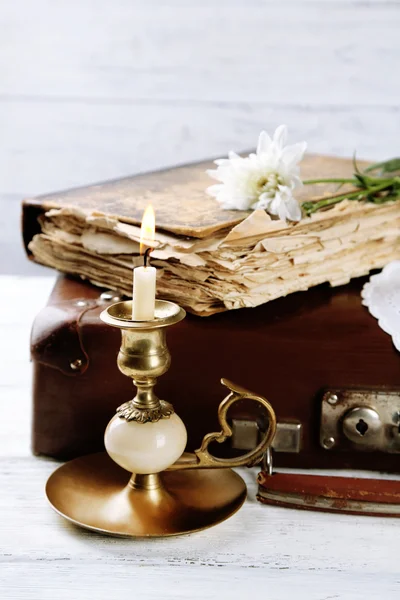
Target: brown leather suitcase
[318, 356]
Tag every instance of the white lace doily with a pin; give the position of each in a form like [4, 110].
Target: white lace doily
[382, 297]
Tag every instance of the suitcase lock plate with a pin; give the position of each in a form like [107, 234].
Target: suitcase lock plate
[364, 420]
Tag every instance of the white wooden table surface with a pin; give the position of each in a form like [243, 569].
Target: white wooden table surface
[261, 552]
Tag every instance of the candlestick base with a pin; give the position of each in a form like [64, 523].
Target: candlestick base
[94, 492]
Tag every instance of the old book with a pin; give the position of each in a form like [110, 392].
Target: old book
[210, 260]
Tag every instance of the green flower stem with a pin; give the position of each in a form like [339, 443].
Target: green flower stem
[311, 207]
[338, 181]
[374, 189]
[378, 188]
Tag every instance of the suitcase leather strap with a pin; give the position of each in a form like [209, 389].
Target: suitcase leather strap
[57, 337]
[330, 493]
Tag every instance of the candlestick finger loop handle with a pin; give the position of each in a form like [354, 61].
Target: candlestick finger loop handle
[203, 459]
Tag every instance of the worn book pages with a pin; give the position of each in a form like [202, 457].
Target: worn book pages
[226, 261]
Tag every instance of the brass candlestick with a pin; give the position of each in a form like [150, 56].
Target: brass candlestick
[168, 493]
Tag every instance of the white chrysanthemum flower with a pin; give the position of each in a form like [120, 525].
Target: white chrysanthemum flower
[264, 180]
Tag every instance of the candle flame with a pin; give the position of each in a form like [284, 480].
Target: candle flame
[147, 232]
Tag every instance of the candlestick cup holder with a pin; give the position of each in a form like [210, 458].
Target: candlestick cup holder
[168, 491]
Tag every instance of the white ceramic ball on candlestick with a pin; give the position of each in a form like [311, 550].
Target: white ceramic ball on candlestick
[145, 448]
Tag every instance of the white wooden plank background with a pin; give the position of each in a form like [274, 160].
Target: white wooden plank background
[97, 89]
[260, 552]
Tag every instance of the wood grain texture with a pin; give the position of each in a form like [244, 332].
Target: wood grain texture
[315, 52]
[288, 553]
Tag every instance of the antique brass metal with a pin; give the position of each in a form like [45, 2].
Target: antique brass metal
[196, 492]
[95, 493]
[144, 356]
[202, 458]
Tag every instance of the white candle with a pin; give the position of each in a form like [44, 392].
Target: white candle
[144, 293]
[144, 278]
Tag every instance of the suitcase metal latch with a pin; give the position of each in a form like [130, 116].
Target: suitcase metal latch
[246, 434]
[365, 420]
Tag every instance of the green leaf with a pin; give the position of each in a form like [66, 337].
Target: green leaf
[362, 179]
[387, 166]
[355, 166]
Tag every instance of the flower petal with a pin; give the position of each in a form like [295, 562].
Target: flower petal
[264, 143]
[291, 155]
[263, 203]
[280, 136]
[293, 210]
[214, 190]
[289, 206]
[213, 173]
[273, 207]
